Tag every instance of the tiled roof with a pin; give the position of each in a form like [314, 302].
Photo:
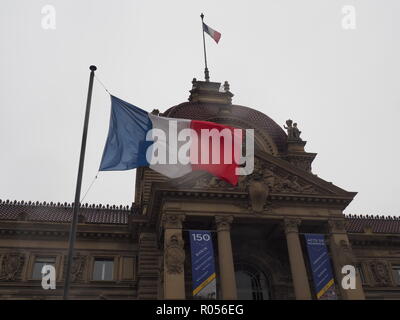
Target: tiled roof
[105, 214]
[57, 212]
[206, 111]
[377, 224]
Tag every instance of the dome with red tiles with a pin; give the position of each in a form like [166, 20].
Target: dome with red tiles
[208, 103]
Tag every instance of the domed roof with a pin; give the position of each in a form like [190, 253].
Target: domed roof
[207, 111]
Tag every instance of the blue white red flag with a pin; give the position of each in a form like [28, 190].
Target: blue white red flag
[212, 33]
[170, 146]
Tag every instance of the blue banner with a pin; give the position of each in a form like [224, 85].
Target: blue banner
[320, 266]
[203, 267]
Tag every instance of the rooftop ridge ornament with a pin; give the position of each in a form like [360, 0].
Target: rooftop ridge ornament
[226, 86]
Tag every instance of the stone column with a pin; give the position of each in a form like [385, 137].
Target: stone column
[342, 255]
[225, 257]
[174, 257]
[297, 266]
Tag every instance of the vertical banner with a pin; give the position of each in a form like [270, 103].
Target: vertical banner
[203, 267]
[320, 266]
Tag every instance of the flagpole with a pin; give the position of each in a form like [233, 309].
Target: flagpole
[72, 233]
[206, 73]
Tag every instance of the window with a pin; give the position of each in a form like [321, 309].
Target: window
[396, 274]
[103, 269]
[40, 262]
[251, 284]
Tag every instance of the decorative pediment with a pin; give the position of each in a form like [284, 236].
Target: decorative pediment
[273, 182]
[275, 179]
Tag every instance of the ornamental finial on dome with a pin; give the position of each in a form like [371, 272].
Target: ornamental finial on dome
[209, 92]
[226, 86]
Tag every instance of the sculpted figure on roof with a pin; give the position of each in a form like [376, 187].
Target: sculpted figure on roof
[293, 131]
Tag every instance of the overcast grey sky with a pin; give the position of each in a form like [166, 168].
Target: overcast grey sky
[286, 58]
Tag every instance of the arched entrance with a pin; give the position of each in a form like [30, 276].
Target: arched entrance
[251, 283]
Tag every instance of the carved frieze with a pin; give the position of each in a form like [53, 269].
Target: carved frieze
[380, 273]
[11, 266]
[302, 161]
[212, 182]
[263, 176]
[291, 184]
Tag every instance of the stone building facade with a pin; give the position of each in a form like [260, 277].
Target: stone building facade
[142, 251]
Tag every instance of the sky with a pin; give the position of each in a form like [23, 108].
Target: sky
[286, 58]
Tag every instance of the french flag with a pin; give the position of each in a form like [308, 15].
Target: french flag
[137, 138]
[212, 33]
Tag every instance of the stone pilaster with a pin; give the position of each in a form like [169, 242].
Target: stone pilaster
[225, 258]
[174, 257]
[342, 255]
[297, 266]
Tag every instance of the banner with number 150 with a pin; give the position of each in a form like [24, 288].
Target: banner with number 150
[203, 267]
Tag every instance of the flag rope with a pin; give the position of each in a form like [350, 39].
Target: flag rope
[88, 189]
[102, 84]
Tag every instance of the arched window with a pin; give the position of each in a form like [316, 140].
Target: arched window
[251, 283]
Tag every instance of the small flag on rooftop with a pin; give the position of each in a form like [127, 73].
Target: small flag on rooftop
[212, 33]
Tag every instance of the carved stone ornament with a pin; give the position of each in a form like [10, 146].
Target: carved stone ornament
[262, 172]
[259, 185]
[292, 225]
[212, 182]
[293, 132]
[11, 266]
[264, 176]
[223, 223]
[380, 273]
[78, 266]
[346, 251]
[174, 254]
[290, 184]
[337, 226]
[302, 161]
[343, 253]
[173, 221]
[258, 194]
